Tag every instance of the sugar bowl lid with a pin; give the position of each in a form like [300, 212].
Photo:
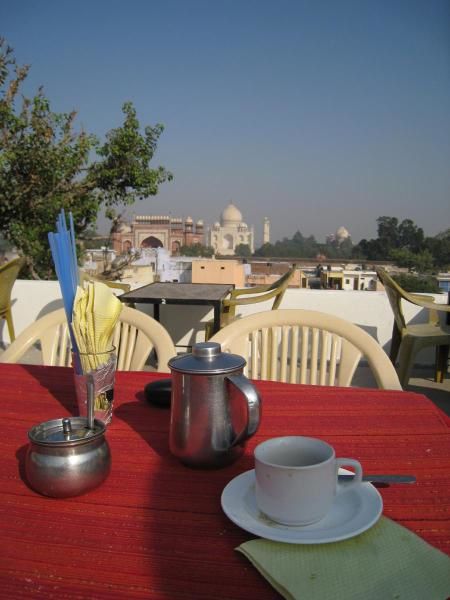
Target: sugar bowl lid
[69, 431]
[207, 358]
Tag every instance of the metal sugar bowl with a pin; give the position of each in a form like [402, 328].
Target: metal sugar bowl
[68, 457]
[214, 407]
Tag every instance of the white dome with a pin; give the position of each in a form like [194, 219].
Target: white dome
[231, 215]
[189, 220]
[342, 233]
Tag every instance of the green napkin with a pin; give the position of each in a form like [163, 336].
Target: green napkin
[386, 562]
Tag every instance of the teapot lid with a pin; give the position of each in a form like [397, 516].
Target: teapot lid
[71, 431]
[207, 358]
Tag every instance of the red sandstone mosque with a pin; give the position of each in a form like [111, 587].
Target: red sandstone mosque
[157, 232]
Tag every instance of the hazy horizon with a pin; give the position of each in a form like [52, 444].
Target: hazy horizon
[316, 115]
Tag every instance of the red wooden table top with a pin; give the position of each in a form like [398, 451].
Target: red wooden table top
[155, 529]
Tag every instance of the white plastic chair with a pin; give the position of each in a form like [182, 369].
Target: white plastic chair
[135, 336]
[304, 346]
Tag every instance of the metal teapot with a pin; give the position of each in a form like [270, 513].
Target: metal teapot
[214, 407]
[67, 457]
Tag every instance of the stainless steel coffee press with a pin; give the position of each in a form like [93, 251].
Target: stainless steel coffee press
[70, 456]
[214, 407]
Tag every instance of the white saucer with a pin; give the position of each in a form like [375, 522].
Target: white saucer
[354, 510]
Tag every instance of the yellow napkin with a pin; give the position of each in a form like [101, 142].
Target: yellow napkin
[386, 562]
[96, 311]
[106, 311]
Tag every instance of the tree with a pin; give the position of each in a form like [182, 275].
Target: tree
[197, 250]
[439, 247]
[92, 240]
[243, 250]
[419, 261]
[266, 249]
[299, 246]
[123, 176]
[405, 244]
[412, 283]
[388, 234]
[45, 166]
[410, 236]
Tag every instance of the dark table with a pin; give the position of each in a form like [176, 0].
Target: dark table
[210, 294]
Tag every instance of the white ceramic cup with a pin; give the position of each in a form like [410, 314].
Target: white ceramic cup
[296, 478]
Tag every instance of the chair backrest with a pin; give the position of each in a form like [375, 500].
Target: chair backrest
[275, 290]
[117, 285]
[395, 295]
[8, 275]
[280, 286]
[135, 336]
[304, 346]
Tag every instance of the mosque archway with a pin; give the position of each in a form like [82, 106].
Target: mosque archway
[151, 242]
[227, 242]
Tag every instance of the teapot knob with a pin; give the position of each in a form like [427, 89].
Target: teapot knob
[206, 350]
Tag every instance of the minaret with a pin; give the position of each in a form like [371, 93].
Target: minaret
[266, 231]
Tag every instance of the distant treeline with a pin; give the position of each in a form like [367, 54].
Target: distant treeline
[403, 243]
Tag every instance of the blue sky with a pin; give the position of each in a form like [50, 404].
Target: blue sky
[316, 114]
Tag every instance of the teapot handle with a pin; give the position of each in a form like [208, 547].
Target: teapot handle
[253, 406]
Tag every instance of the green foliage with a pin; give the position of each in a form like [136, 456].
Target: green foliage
[420, 261]
[406, 245]
[123, 176]
[439, 247]
[265, 250]
[412, 283]
[243, 250]
[297, 246]
[5, 246]
[45, 166]
[197, 250]
[300, 246]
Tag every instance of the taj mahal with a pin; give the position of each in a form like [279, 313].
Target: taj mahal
[171, 233]
[231, 231]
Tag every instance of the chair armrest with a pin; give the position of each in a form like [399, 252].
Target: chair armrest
[252, 300]
[423, 298]
[430, 305]
[257, 289]
[280, 284]
[434, 309]
[433, 317]
[125, 287]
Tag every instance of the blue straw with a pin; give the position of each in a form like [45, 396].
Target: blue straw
[63, 249]
[74, 249]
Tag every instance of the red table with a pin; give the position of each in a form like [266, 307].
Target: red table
[155, 529]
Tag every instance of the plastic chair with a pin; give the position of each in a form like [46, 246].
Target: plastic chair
[135, 336]
[305, 346]
[408, 339]
[125, 287]
[8, 275]
[114, 285]
[253, 295]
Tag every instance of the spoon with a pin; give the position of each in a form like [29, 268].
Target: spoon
[380, 479]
